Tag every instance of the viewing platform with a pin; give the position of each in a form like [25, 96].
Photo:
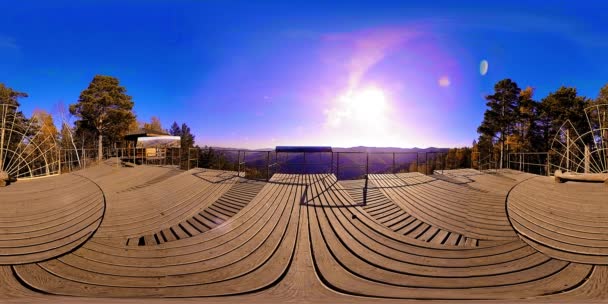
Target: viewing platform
[160, 232]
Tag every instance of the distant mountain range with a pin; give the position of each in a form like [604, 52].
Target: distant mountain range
[356, 149]
[350, 163]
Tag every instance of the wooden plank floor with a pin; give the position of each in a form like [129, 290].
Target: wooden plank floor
[45, 218]
[566, 221]
[274, 249]
[466, 211]
[387, 212]
[230, 203]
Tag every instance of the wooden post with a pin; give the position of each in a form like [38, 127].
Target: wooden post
[393, 162]
[567, 150]
[548, 164]
[59, 157]
[587, 155]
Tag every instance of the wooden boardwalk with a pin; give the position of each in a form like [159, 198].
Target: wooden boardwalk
[477, 236]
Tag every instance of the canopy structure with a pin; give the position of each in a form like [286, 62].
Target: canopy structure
[300, 149]
[159, 142]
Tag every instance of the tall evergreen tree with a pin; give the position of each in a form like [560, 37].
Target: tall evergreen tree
[501, 115]
[187, 137]
[175, 129]
[560, 106]
[105, 109]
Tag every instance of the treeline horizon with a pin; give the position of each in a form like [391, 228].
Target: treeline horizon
[515, 121]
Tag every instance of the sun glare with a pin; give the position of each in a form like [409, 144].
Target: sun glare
[361, 116]
[367, 106]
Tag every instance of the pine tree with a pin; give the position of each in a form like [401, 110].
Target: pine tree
[104, 109]
[501, 115]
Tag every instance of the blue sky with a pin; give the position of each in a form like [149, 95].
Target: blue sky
[263, 73]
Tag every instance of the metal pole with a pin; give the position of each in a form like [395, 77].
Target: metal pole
[238, 161]
[267, 165]
[331, 164]
[337, 165]
[417, 163]
[188, 159]
[393, 163]
[366, 163]
[426, 163]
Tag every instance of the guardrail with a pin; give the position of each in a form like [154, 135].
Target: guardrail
[344, 164]
[531, 162]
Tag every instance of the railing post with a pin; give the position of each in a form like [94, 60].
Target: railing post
[393, 163]
[426, 163]
[267, 165]
[337, 165]
[548, 164]
[331, 163]
[238, 161]
[59, 157]
[366, 163]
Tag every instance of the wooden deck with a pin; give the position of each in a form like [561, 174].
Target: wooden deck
[147, 232]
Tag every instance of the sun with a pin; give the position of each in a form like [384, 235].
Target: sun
[361, 116]
[366, 106]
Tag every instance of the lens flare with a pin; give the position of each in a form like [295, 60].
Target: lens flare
[483, 67]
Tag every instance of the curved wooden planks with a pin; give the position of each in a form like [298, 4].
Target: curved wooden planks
[452, 207]
[385, 211]
[230, 203]
[566, 221]
[45, 218]
[331, 250]
[354, 257]
[253, 251]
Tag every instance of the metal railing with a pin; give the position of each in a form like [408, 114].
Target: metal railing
[344, 164]
[262, 165]
[531, 162]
